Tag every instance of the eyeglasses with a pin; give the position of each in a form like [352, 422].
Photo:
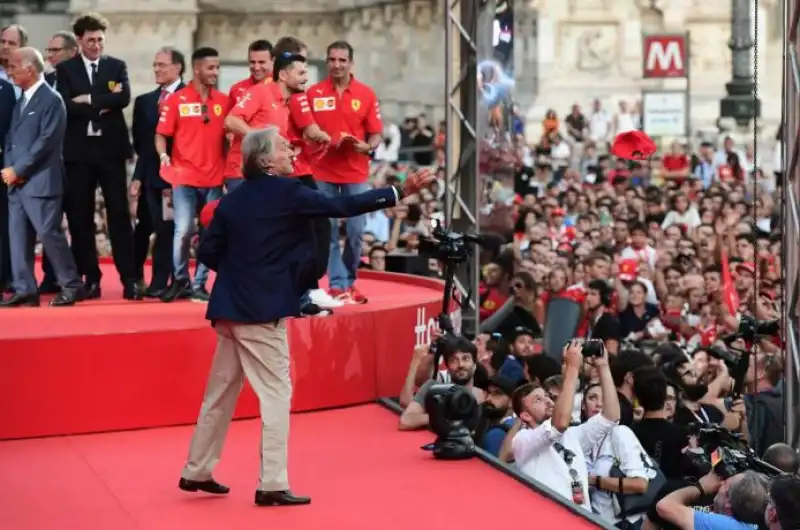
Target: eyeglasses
[204, 110]
[54, 50]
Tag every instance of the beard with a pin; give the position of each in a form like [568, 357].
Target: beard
[461, 377]
[492, 413]
[694, 392]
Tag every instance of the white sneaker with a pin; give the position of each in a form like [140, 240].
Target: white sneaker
[324, 300]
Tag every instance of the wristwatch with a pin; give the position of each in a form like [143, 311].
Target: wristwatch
[399, 191]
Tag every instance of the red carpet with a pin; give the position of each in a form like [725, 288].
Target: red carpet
[361, 473]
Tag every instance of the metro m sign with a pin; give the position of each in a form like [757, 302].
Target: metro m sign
[665, 56]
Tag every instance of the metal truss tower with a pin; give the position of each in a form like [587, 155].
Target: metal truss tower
[462, 185]
[790, 217]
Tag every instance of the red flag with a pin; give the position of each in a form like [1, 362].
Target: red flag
[729, 295]
[633, 145]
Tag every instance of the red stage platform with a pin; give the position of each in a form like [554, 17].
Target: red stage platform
[115, 365]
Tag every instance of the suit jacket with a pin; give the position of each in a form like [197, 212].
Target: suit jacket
[8, 99]
[73, 81]
[143, 128]
[33, 144]
[261, 244]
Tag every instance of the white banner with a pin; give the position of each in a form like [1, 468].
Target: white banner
[664, 113]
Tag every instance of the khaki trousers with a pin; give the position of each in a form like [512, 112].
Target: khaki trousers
[259, 352]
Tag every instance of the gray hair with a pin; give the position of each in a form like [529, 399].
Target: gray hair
[69, 38]
[21, 31]
[748, 497]
[32, 57]
[257, 144]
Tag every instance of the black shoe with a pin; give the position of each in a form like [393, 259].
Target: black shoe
[207, 486]
[200, 295]
[280, 498]
[177, 290]
[91, 291]
[154, 292]
[64, 299]
[313, 310]
[131, 291]
[21, 300]
[49, 286]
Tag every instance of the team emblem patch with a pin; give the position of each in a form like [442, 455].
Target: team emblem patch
[356, 104]
[218, 110]
[184, 109]
[112, 85]
[324, 104]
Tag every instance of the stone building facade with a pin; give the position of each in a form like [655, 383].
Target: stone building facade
[567, 51]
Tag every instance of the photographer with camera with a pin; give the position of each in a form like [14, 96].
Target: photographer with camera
[544, 445]
[603, 322]
[460, 357]
[739, 503]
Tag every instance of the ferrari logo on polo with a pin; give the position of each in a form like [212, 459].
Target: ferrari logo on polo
[112, 85]
[356, 104]
[323, 104]
[217, 110]
[489, 305]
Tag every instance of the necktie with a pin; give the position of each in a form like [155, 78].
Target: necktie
[95, 123]
[162, 96]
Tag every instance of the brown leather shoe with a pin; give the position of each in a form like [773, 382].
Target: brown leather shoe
[280, 498]
[207, 486]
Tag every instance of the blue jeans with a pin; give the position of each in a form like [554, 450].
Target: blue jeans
[342, 267]
[186, 202]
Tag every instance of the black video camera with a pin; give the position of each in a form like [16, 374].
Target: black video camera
[750, 328]
[448, 247]
[724, 452]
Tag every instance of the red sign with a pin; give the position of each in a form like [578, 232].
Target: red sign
[664, 56]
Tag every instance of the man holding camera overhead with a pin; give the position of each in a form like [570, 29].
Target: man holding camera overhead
[544, 445]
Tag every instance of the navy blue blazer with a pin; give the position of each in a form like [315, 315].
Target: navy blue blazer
[143, 131]
[8, 99]
[261, 245]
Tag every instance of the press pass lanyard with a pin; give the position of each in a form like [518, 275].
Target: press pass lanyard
[704, 419]
[575, 482]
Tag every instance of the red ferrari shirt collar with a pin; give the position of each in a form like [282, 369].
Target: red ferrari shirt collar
[276, 92]
[212, 92]
[349, 86]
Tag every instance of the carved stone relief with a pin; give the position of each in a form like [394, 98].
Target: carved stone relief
[708, 50]
[592, 49]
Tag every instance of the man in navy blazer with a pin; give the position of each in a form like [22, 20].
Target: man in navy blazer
[33, 170]
[7, 101]
[147, 184]
[260, 243]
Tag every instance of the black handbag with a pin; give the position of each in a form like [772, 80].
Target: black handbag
[626, 504]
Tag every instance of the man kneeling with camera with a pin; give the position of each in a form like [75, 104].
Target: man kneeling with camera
[544, 445]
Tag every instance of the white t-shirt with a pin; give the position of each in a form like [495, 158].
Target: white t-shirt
[623, 445]
[536, 456]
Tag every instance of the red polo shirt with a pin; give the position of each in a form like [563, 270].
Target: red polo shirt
[355, 112]
[258, 108]
[300, 118]
[239, 89]
[197, 128]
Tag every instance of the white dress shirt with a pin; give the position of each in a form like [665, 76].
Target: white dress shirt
[87, 64]
[536, 456]
[28, 94]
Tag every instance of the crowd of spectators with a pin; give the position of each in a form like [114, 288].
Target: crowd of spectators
[665, 259]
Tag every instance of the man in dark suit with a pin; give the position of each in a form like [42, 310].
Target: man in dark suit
[261, 244]
[34, 173]
[7, 101]
[147, 185]
[95, 89]
[62, 46]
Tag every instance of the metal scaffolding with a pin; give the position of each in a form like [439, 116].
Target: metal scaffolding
[462, 189]
[791, 218]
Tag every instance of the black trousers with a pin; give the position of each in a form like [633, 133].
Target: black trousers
[5, 252]
[82, 181]
[165, 232]
[322, 233]
[141, 234]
